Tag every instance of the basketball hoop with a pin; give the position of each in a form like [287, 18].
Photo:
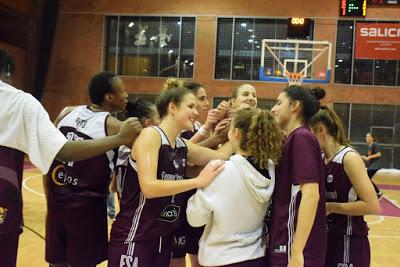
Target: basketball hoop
[295, 61]
[295, 78]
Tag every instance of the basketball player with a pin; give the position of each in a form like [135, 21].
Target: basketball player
[76, 224]
[297, 234]
[349, 194]
[186, 238]
[372, 159]
[234, 234]
[147, 114]
[25, 128]
[152, 200]
[244, 94]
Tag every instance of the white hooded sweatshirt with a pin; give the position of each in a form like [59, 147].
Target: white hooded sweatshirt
[233, 208]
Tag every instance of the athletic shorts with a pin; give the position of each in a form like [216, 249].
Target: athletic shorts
[149, 253]
[346, 251]
[186, 240]
[8, 249]
[76, 233]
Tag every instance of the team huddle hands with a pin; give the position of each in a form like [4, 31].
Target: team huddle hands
[129, 130]
[236, 156]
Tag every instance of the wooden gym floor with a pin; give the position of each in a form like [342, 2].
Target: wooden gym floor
[384, 229]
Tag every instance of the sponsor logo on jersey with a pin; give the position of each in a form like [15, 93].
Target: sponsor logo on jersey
[331, 195]
[329, 179]
[3, 215]
[128, 261]
[61, 177]
[340, 264]
[170, 213]
[168, 176]
[176, 164]
[179, 241]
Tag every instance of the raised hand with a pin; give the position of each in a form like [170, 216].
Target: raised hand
[210, 171]
[130, 129]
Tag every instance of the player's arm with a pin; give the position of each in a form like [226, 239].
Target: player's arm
[113, 125]
[220, 135]
[206, 129]
[85, 149]
[368, 202]
[305, 220]
[145, 151]
[374, 156]
[199, 155]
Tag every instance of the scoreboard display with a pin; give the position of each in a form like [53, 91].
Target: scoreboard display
[299, 28]
[383, 2]
[353, 8]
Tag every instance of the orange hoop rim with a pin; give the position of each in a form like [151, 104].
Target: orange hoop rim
[295, 75]
[295, 78]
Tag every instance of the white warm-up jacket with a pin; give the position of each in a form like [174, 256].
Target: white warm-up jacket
[233, 208]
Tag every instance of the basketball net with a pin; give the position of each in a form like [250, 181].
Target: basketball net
[295, 78]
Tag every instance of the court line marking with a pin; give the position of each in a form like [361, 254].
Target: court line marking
[381, 219]
[384, 236]
[391, 201]
[24, 185]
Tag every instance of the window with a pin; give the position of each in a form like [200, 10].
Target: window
[381, 120]
[349, 70]
[150, 46]
[239, 45]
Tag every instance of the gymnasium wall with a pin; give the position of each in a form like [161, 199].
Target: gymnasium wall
[19, 29]
[78, 45]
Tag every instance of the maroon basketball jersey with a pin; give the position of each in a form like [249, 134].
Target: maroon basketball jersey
[145, 219]
[74, 181]
[190, 133]
[340, 189]
[11, 167]
[301, 162]
[121, 167]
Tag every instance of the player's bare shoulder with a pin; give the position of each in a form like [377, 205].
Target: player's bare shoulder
[113, 125]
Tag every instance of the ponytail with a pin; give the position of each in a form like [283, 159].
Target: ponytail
[308, 98]
[332, 122]
[173, 91]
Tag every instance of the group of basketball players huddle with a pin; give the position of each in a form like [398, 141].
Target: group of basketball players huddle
[276, 186]
[249, 187]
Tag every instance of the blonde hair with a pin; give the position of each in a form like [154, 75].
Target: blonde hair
[173, 91]
[261, 137]
[173, 83]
